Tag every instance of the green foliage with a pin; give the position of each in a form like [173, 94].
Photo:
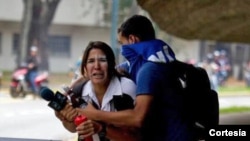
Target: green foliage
[125, 4]
[124, 8]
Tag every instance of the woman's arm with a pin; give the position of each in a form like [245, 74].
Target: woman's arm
[130, 118]
[90, 127]
[69, 125]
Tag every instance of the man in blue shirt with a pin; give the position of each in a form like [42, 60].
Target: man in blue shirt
[159, 110]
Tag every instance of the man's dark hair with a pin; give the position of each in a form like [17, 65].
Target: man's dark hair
[139, 26]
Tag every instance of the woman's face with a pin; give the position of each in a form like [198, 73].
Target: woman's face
[97, 67]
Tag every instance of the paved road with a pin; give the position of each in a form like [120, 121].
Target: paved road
[228, 101]
[235, 118]
[30, 119]
[30, 123]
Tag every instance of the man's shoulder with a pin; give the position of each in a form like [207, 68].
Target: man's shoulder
[153, 67]
[153, 64]
[151, 71]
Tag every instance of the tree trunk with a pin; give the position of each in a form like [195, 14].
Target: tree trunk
[46, 15]
[42, 15]
[25, 28]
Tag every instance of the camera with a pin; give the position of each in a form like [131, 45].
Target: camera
[58, 100]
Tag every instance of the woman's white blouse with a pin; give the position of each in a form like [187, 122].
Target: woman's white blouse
[116, 87]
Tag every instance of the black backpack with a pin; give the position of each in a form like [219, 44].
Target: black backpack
[201, 104]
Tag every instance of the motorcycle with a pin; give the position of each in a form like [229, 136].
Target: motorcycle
[20, 87]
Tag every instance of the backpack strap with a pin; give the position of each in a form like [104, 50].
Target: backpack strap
[76, 98]
[77, 89]
[123, 102]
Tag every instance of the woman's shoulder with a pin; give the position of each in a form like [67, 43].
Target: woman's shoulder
[125, 80]
[127, 86]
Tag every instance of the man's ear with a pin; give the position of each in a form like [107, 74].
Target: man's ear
[133, 39]
[136, 39]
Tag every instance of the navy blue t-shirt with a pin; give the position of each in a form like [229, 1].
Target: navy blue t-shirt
[165, 121]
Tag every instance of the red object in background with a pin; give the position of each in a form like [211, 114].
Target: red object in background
[78, 120]
[20, 87]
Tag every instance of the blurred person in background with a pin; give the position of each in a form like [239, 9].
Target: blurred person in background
[223, 64]
[32, 64]
[212, 69]
[74, 70]
[247, 73]
[225, 67]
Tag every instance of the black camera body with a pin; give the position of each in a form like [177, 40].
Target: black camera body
[59, 101]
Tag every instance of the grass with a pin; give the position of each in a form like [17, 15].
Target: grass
[232, 89]
[54, 78]
[6, 76]
[234, 109]
[235, 89]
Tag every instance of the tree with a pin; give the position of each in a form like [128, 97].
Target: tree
[37, 18]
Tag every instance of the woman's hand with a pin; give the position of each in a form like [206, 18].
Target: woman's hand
[88, 128]
[68, 112]
[87, 111]
[69, 125]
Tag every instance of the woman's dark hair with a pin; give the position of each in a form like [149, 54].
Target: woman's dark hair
[106, 50]
[139, 26]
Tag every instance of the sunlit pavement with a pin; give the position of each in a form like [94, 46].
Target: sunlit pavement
[45, 114]
[225, 101]
[235, 119]
[229, 101]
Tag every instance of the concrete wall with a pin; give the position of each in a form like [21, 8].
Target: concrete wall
[82, 20]
[7, 58]
[185, 49]
[80, 37]
[70, 12]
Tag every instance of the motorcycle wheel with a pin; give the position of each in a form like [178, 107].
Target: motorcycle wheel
[17, 92]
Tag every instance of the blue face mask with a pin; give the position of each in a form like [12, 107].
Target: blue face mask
[139, 53]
